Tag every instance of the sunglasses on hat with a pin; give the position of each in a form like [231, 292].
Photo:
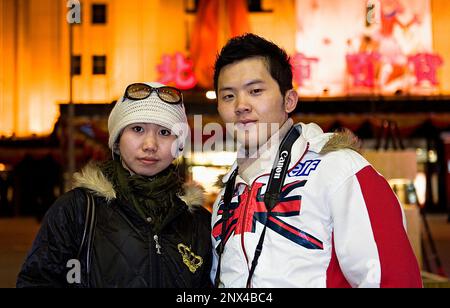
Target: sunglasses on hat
[138, 91]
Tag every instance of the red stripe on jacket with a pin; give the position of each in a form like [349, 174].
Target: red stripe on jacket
[399, 268]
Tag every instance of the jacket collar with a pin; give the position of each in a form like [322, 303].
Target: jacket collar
[311, 138]
[92, 178]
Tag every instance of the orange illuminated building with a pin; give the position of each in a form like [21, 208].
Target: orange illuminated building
[121, 41]
[117, 42]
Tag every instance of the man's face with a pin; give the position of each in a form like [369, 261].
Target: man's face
[250, 98]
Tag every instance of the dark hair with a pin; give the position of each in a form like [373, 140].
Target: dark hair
[250, 45]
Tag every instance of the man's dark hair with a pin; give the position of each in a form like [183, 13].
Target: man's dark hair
[250, 45]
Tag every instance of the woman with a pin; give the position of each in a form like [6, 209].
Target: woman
[127, 223]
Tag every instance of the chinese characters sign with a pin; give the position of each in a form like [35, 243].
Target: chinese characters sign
[176, 69]
[364, 46]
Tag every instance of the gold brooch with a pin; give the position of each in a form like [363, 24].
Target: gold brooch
[192, 261]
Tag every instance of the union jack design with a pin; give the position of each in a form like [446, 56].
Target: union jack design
[249, 208]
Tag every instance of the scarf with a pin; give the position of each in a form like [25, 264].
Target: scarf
[152, 197]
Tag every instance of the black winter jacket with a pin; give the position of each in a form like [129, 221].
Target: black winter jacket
[124, 251]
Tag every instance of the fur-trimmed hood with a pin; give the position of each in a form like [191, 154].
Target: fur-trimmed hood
[92, 178]
[324, 143]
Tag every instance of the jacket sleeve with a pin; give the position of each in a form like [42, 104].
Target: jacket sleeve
[55, 244]
[215, 232]
[370, 243]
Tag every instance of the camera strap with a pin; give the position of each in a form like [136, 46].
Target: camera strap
[273, 191]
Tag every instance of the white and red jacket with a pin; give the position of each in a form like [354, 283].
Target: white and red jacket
[338, 224]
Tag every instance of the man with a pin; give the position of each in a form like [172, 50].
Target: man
[300, 208]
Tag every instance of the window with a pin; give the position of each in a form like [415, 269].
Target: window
[254, 6]
[76, 65]
[191, 6]
[99, 12]
[99, 65]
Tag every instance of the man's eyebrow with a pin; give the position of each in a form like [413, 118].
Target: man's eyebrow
[247, 84]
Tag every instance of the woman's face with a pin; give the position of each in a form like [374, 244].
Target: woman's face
[146, 148]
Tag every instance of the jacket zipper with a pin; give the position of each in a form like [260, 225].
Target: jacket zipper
[157, 245]
[246, 206]
[157, 252]
[243, 221]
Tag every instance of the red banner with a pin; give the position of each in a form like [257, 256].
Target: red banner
[216, 22]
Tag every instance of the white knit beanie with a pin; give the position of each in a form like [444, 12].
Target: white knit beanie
[149, 110]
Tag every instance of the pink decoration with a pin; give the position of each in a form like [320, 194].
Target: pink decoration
[362, 67]
[301, 67]
[178, 70]
[425, 67]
